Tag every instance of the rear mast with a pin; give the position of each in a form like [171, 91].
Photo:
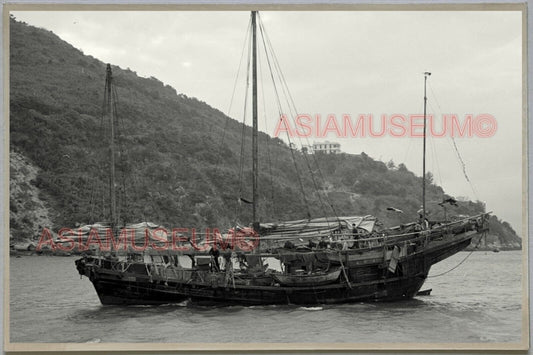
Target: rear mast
[426, 74]
[254, 125]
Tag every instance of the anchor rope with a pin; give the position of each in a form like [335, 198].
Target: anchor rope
[462, 261]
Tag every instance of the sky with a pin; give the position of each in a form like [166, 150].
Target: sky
[343, 62]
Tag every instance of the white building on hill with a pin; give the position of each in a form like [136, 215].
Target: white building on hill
[325, 147]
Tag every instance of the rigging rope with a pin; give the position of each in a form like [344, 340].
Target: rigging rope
[462, 261]
[263, 36]
[434, 150]
[267, 142]
[102, 162]
[110, 106]
[246, 41]
[463, 165]
[119, 124]
[464, 168]
[243, 132]
[293, 112]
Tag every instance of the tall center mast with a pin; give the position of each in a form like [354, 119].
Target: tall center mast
[254, 121]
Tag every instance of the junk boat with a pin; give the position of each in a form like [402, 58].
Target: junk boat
[309, 261]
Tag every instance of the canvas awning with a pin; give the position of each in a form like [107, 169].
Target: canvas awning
[315, 227]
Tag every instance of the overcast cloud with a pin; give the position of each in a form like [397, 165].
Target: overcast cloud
[350, 62]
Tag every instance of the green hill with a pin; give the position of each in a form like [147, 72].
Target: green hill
[180, 157]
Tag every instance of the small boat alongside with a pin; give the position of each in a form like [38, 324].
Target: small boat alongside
[424, 292]
[312, 279]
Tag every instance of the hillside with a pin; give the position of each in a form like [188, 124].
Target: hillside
[180, 157]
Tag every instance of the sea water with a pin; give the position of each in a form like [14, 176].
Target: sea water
[479, 301]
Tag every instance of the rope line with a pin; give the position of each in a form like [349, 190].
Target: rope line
[243, 131]
[246, 38]
[269, 158]
[292, 113]
[462, 261]
[463, 165]
[298, 174]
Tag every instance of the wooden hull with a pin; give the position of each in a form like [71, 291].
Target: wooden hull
[119, 292]
[365, 278]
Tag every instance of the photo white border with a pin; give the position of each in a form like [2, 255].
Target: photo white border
[527, 54]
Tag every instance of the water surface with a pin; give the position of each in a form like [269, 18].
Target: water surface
[480, 301]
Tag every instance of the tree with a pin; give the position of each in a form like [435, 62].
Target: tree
[429, 178]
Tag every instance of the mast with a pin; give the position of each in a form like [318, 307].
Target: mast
[254, 122]
[109, 115]
[426, 74]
